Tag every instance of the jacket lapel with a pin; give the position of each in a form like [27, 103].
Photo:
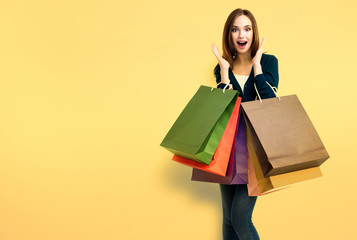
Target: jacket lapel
[236, 85]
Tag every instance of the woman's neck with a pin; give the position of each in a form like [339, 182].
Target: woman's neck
[243, 59]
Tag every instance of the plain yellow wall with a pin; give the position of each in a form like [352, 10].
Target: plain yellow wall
[88, 89]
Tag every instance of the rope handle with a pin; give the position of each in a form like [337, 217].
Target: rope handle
[230, 87]
[275, 90]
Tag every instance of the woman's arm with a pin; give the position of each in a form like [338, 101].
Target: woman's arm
[222, 69]
[222, 75]
[271, 76]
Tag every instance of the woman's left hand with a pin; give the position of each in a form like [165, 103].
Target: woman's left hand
[258, 55]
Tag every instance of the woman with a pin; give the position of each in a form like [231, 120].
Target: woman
[243, 66]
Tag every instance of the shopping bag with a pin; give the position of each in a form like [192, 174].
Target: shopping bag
[220, 158]
[198, 129]
[283, 135]
[259, 185]
[237, 172]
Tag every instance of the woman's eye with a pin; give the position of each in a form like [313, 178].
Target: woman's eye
[247, 29]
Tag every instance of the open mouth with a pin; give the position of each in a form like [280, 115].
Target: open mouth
[243, 43]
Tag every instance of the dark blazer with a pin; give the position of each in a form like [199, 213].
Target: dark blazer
[270, 74]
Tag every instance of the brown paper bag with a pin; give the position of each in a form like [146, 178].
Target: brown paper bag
[283, 135]
[259, 185]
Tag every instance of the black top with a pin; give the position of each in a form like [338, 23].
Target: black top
[270, 74]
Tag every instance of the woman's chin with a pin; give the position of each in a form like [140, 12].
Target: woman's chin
[243, 51]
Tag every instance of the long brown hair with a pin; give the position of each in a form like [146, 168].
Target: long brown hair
[229, 52]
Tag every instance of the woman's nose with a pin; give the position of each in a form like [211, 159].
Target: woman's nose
[241, 34]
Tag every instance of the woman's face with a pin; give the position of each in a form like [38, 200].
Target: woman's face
[242, 34]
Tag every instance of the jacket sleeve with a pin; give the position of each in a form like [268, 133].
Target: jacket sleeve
[217, 73]
[270, 75]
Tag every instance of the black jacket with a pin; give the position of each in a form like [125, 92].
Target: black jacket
[270, 74]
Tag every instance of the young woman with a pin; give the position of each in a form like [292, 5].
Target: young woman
[243, 66]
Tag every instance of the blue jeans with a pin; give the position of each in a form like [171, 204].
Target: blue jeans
[237, 213]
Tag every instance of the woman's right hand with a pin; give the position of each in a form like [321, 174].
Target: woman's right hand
[223, 63]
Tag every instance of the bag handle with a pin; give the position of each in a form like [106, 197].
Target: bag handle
[230, 87]
[275, 90]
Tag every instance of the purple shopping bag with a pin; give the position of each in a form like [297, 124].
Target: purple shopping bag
[237, 172]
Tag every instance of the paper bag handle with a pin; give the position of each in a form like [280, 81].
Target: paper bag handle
[275, 90]
[230, 87]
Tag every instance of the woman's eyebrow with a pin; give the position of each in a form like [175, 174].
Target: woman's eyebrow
[244, 26]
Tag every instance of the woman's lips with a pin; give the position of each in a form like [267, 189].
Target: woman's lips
[242, 45]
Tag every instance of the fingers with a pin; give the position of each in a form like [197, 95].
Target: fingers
[262, 44]
[259, 53]
[216, 51]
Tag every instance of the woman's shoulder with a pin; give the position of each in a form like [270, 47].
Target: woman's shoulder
[217, 67]
[217, 70]
[268, 58]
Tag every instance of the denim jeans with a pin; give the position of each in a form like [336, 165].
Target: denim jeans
[237, 213]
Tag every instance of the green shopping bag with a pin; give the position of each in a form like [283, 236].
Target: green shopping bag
[198, 129]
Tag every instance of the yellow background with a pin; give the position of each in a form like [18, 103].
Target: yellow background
[88, 89]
